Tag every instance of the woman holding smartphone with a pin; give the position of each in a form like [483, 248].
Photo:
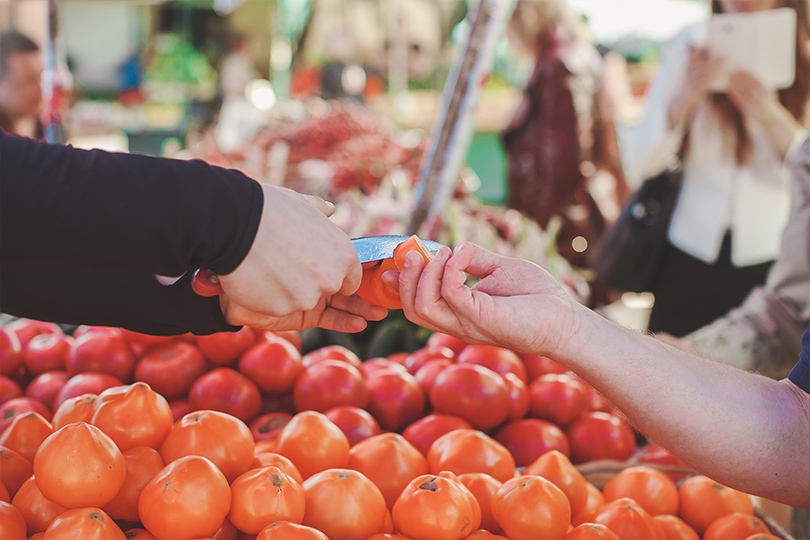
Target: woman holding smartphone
[735, 199]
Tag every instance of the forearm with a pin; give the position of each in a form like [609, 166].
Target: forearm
[744, 430]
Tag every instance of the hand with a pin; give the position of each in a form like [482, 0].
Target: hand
[761, 104]
[339, 312]
[298, 258]
[516, 304]
[701, 72]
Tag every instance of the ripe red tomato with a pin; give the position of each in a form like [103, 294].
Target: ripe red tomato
[75, 409]
[426, 375]
[436, 506]
[9, 389]
[628, 520]
[356, 423]
[330, 383]
[37, 511]
[469, 450]
[11, 352]
[188, 498]
[72, 455]
[313, 443]
[142, 463]
[437, 339]
[46, 386]
[98, 351]
[558, 398]
[170, 369]
[519, 398]
[25, 434]
[483, 487]
[262, 497]
[17, 406]
[600, 435]
[529, 438]
[423, 432]
[86, 522]
[343, 504]
[473, 392]
[497, 359]
[47, 352]
[85, 383]
[224, 348]
[26, 329]
[395, 399]
[226, 390]
[14, 470]
[332, 352]
[293, 336]
[133, 415]
[537, 366]
[414, 361]
[373, 364]
[557, 468]
[273, 363]
[142, 343]
[388, 460]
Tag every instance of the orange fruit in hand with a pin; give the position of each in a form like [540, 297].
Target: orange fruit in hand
[372, 288]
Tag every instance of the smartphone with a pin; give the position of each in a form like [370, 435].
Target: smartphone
[762, 43]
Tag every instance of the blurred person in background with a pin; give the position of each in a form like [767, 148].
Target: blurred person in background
[561, 144]
[239, 119]
[20, 88]
[735, 198]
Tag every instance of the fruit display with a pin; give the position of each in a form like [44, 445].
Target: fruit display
[107, 433]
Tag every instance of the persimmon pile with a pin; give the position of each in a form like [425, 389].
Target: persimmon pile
[106, 433]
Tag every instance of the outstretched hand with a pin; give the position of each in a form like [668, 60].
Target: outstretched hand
[515, 304]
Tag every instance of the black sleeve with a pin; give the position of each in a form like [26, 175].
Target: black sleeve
[117, 219]
[800, 374]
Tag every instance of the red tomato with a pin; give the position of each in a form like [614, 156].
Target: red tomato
[47, 352]
[133, 415]
[293, 336]
[473, 392]
[180, 408]
[226, 390]
[396, 399]
[469, 450]
[142, 343]
[90, 523]
[519, 398]
[142, 464]
[268, 426]
[26, 329]
[628, 520]
[356, 423]
[188, 498]
[11, 352]
[9, 389]
[224, 348]
[75, 409]
[344, 504]
[263, 496]
[21, 405]
[497, 359]
[515, 506]
[558, 398]
[85, 383]
[373, 364]
[102, 352]
[220, 437]
[25, 434]
[273, 364]
[37, 511]
[332, 352]
[46, 386]
[313, 443]
[529, 438]
[170, 369]
[438, 339]
[423, 432]
[330, 383]
[483, 487]
[600, 435]
[414, 361]
[388, 460]
[426, 375]
[537, 366]
[14, 470]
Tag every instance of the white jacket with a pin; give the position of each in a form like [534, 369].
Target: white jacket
[752, 202]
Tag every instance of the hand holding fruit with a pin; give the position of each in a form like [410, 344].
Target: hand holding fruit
[298, 272]
[516, 304]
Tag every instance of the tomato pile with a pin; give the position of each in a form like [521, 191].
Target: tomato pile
[106, 433]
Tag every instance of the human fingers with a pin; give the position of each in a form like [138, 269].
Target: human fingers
[325, 207]
[432, 314]
[357, 306]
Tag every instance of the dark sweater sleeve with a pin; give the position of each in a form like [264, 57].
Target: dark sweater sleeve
[117, 219]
